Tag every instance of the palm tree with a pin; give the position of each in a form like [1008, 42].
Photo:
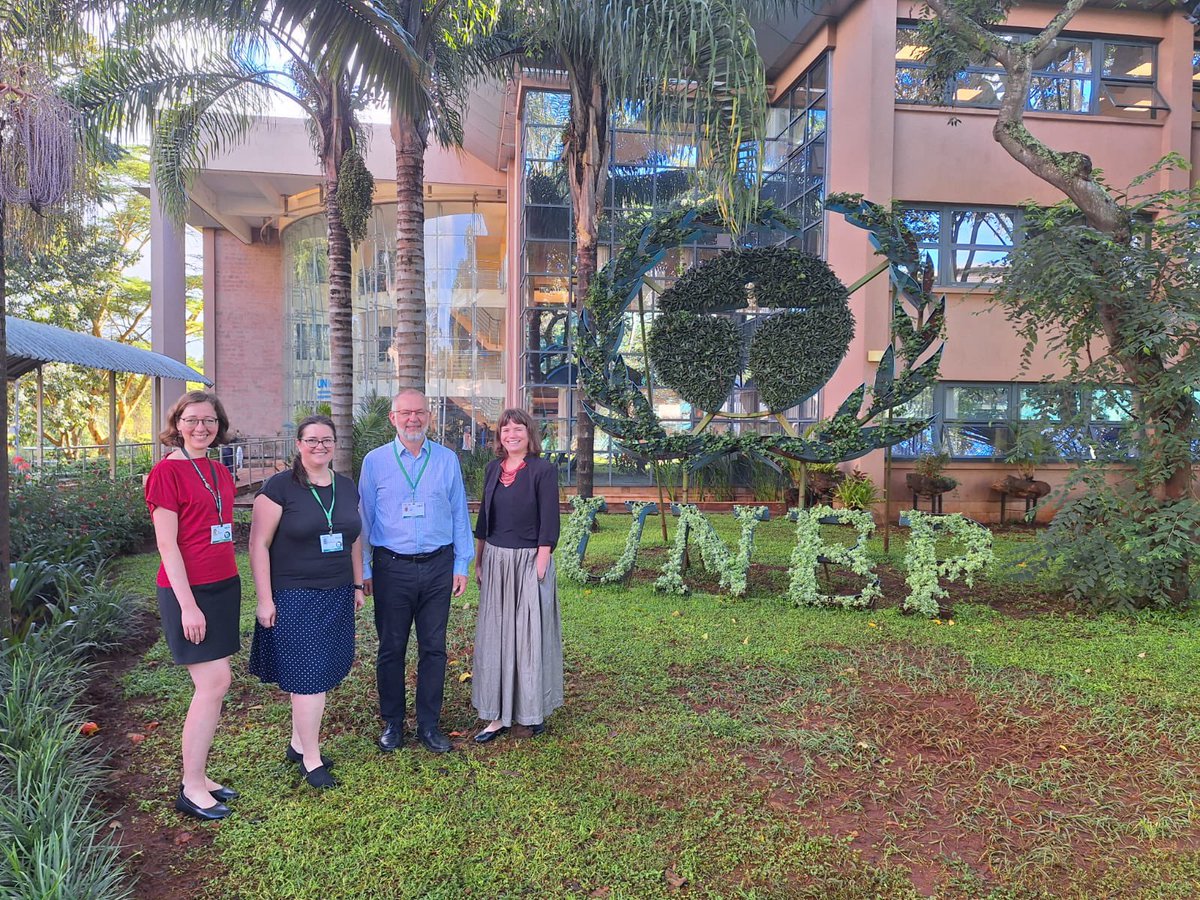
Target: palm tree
[677, 60]
[195, 104]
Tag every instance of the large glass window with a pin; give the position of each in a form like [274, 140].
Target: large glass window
[968, 245]
[986, 420]
[466, 300]
[1083, 75]
[794, 154]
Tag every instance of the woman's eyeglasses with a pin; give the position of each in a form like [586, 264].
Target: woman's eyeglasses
[192, 422]
[318, 442]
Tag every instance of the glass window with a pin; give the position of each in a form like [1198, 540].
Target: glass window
[547, 257]
[981, 403]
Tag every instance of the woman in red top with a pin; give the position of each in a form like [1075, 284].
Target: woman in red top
[190, 499]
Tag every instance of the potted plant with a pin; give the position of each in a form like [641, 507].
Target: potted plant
[857, 491]
[1030, 448]
[926, 479]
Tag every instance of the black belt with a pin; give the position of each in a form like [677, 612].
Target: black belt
[414, 557]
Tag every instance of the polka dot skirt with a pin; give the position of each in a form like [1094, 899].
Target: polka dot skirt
[311, 645]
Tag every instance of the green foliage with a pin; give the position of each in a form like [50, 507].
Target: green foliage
[923, 569]
[474, 465]
[857, 491]
[731, 567]
[795, 353]
[1115, 547]
[355, 192]
[931, 465]
[811, 551]
[372, 428]
[577, 533]
[680, 339]
[949, 53]
[59, 520]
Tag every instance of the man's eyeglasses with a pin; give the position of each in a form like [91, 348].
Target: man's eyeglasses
[318, 442]
[408, 413]
[192, 422]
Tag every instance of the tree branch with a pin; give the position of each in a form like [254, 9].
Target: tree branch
[970, 30]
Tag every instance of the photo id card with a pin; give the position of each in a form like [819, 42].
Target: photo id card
[222, 534]
[331, 543]
[413, 509]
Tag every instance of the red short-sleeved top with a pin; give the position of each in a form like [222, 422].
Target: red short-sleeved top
[173, 484]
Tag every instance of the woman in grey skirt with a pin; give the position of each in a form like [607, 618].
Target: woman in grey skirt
[518, 671]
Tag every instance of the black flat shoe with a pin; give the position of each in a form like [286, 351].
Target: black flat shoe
[221, 794]
[539, 728]
[392, 738]
[484, 736]
[204, 813]
[296, 756]
[433, 740]
[319, 777]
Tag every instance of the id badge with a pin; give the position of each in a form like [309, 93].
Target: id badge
[413, 509]
[222, 534]
[331, 543]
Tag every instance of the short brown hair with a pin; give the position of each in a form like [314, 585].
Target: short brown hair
[171, 437]
[521, 418]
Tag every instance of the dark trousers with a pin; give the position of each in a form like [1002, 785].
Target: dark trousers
[408, 593]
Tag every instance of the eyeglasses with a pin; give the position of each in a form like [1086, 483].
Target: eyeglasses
[318, 442]
[408, 413]
[192, 422]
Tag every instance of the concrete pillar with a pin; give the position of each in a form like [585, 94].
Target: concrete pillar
[168, 291]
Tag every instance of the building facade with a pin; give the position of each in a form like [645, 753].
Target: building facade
[847, 116]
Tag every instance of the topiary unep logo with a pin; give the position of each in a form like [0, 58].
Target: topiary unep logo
[793, 345]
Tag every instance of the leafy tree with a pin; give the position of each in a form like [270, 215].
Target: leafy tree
[675, 60]
[1119, 284]
[199, 99]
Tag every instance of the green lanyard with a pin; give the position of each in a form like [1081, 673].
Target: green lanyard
[412, 484]
[215, 494]
[332, 501]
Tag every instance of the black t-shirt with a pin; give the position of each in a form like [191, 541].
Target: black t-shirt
[296, 557]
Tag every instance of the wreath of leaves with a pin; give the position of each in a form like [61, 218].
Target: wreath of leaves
[613, 391]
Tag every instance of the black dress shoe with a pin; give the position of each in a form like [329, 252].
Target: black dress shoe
[205, 813]
[484, 736]
[392, 738]
[535, 730]
[319, 777]
[296, 756]
[433, 740]
[221, 794]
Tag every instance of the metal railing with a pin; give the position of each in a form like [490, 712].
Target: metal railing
[250, 460]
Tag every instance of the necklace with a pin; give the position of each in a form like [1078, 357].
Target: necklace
[507, 477]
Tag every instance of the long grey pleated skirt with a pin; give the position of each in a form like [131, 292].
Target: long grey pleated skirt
[518, 673]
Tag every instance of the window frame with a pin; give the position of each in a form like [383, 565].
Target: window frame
[1099, 84]
[947, 248]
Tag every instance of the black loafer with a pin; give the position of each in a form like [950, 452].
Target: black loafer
[296, 756]
[204, 813]
[221, 794]
[484, 736]
[539, 728]
[319, 777]
[392, 738]
[433, 740]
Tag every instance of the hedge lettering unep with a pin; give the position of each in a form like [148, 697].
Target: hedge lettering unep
[797, 328]
[924, 572]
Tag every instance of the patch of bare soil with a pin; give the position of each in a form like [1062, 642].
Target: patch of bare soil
[925, 771]
[162, 861]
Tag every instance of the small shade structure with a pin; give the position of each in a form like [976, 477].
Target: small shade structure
[31, 345]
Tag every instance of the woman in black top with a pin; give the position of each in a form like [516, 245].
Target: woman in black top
[518, 671]
[306, 556]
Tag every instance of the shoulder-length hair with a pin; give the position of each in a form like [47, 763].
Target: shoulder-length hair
[520, 417]
[299, 475]
[170, 436]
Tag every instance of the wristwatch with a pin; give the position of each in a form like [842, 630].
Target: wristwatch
[358, 587]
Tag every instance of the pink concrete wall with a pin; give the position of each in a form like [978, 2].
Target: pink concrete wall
[245, 356]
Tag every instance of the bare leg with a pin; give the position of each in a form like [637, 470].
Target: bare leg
[211, 680]
[307, 710]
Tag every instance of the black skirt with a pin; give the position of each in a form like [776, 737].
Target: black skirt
[221, 603]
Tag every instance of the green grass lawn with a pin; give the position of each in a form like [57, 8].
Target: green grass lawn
[717, 748]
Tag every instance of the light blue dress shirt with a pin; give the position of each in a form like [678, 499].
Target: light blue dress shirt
[384, 491]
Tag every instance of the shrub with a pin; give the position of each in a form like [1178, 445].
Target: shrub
[858, 491]
[90, 516]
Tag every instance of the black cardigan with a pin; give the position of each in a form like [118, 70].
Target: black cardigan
[535, 494]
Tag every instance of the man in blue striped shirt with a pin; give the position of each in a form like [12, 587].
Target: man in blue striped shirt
[417, 548]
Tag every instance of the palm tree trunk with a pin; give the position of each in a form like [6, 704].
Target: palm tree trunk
[408, 337]
[341, 309]
[5, 534]
[585, 149]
